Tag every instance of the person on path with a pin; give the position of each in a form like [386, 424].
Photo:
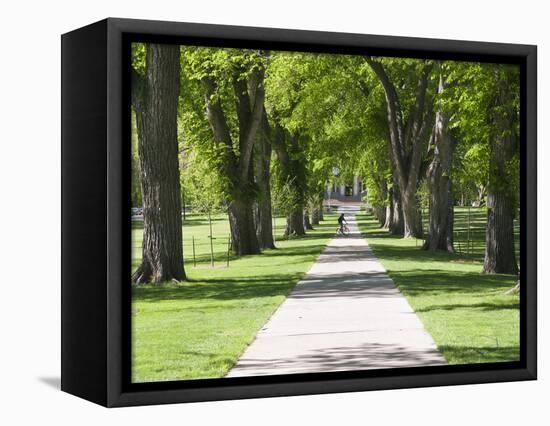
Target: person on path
[342, 223]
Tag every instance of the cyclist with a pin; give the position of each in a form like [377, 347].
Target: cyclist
[342, 224]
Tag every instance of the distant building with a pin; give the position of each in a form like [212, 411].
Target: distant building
[348, 191]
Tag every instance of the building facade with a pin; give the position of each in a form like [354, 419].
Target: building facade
[348, 191]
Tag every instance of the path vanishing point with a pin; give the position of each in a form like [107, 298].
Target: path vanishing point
[345, 314]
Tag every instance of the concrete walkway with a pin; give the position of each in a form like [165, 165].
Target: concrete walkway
[345, 314]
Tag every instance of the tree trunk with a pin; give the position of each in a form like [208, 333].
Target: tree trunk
[380, 214]
[412, 220]
[514, 290]
[407, 142]
[293, 171]
[315, 215]
[379, 210]
[243, 231]
[238, 169]
[440, 234]
[264, 223]
[389, 216]
[397, 225]
[389, 210]
[441, 226]
[307, 222]
[500, 255]
[394, 212]
[295, 224]
[155, 99]
[321, 211]
[480, 195]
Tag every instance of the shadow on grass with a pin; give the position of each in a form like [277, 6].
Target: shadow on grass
[436, 281]
[414, 253]
[189, 222]
[298, 251]
[309, 236]
[505, 304]
[190, 361]
[219, 288]
[467, 354]
[469, 245]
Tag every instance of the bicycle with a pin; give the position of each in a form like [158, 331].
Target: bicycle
[342, 230]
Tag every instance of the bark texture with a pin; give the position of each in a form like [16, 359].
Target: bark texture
[380, 214]
[440, 236]
[408, 141]
[293, 171]
[315, 215]
[307, 222]
[500, 256]
[295, 224]
[237, 168]
[389, 211]
[379, 210]
[155, 100]
[394, 213]
[241, 222]
[514, 290]
[264, 223]
[499, 251]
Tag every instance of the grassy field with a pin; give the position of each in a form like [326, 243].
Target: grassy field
[469, 232]
[196, 233]
[198, 329]
[467, 313]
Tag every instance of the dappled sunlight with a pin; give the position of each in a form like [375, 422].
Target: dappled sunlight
[454, 300]
[259, 148]
[365, 356]
[345, 313]
[217, 311]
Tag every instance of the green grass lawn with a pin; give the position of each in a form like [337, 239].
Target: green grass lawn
[198, 329]
[466, 312]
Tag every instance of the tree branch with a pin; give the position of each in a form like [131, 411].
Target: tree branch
[256, 108]
[364, 88]
[394, 118]
[242, 105]
[419, 109]
[419, 142]
[216, 119]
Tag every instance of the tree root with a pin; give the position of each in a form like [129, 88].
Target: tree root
[513, 290]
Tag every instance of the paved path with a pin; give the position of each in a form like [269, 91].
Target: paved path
[345, 314]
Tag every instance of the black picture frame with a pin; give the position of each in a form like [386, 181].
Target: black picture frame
[95, 179]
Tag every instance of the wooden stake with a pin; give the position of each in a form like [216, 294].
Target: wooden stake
[211, 243]
[228, 248]
[194, 258]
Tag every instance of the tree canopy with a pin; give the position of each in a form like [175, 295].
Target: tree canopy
[260, 132]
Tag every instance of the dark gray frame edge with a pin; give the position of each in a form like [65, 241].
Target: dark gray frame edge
[83, 188]
[106, 296]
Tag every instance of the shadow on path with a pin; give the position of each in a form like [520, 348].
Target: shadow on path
[345, 314]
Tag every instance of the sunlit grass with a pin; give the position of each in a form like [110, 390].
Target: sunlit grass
[466, 312]
[198, 329]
